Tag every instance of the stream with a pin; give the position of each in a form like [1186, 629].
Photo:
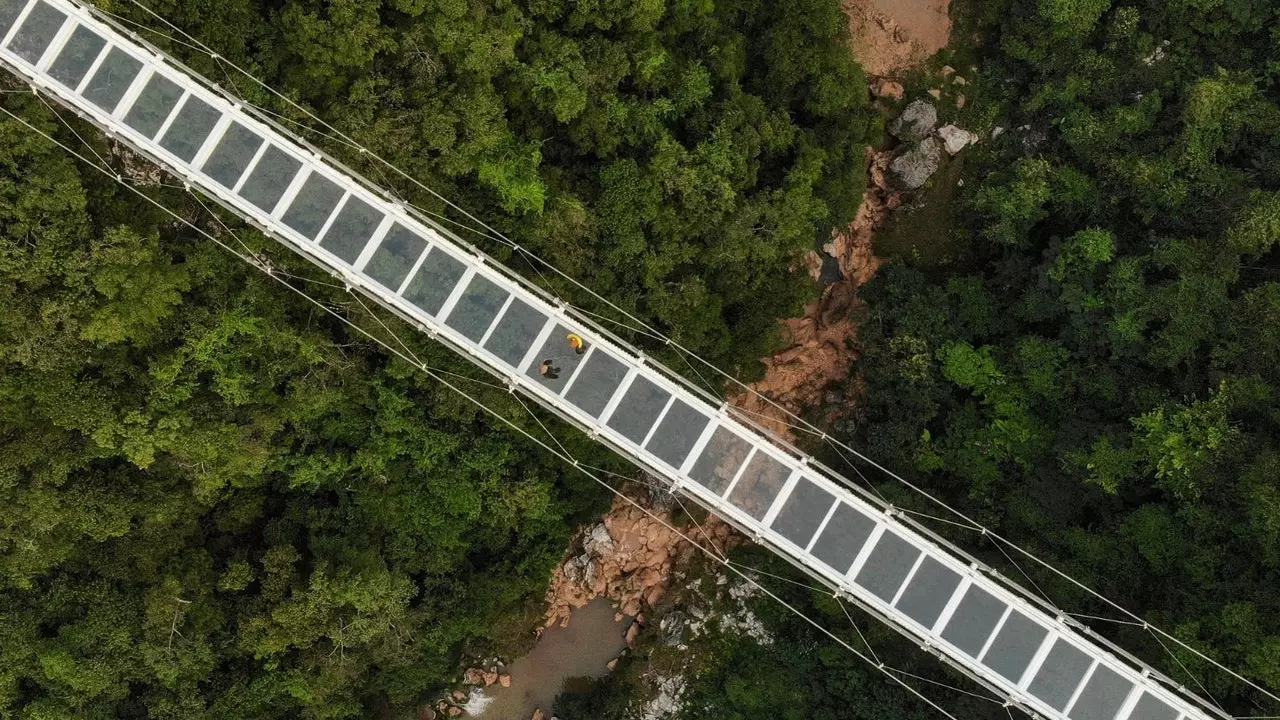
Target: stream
[562, 659]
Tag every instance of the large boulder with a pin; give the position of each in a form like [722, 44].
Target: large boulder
[913, 168]
[915, 122]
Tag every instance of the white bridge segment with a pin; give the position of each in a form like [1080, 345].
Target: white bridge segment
[934, 593]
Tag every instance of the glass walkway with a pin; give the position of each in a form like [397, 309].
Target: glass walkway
[932, 592]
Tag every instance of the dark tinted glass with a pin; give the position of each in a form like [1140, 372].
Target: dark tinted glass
[395, 257]
[231, 157]
[720, 459]
[803, 512]
[1060, 674]
[1150, 707]
[112, 79]
[928, 592]
[271, 177]
[516, 331]
[153, 106]
[639, 410]
[845, 534]
[677, 434]
[973, 620]
[596, 382]
[476, 308]
[887, 566]
[434, 281]
[759, 485]
[82, 48]
[351, 230]
[1016, 643]
[9, 12]
[37, 31]
[1102, 696]
[189, 129]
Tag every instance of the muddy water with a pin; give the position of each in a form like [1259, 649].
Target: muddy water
[561, 656]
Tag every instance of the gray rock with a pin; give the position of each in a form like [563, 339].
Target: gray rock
[955, 139]
[914, 167]
[598, 541]
[915, 122]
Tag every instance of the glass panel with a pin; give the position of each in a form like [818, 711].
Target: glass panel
[720, 460]
[639, 409]
[1150, 707]
[759, 485]
[887, 566]
[1102, 696]
[9, 11]
[928, 592]
[233, 154]
[395, 257]
[1014, 646]
[676, 436]
[434, 281]
[476, 308]
[515, 332]
[37, 31]
[351, 230]
[596, 383]
[1060, 674]
[153, 106]
[974, 619]
[112, 79]
[82, 48]
[842, 538]
[803, 512]
[269, 179]
[188, 130]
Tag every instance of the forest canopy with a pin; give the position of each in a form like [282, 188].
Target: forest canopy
[221, 503]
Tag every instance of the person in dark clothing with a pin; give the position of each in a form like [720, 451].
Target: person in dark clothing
[547, 370]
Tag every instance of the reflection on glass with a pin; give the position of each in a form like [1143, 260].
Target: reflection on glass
[395, 257]
[596, 382]
[476, 308]
[232, 155]
[77, 55]
[724, 454]
[112, 79]
[516, 331]
[434, 281]
[351, 230]
[676, 435]
[840, 541]
[153, 106]
[189, 129]
[928, 592]
[37, 31]
[759, 484]
[639, 409]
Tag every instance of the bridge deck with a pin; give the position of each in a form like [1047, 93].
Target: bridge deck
[929, 591]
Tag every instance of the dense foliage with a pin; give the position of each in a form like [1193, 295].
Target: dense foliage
[1098, 379]
[218, 502]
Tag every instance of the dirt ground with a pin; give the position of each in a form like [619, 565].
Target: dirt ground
[889, 37]
[892, 35]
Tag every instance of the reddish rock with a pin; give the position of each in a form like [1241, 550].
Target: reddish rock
[539, 715]
[612, 664]
[490, 678]
[504, 680]
[473, 676]
[455, 711]
[632, 632]
[459, 696]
